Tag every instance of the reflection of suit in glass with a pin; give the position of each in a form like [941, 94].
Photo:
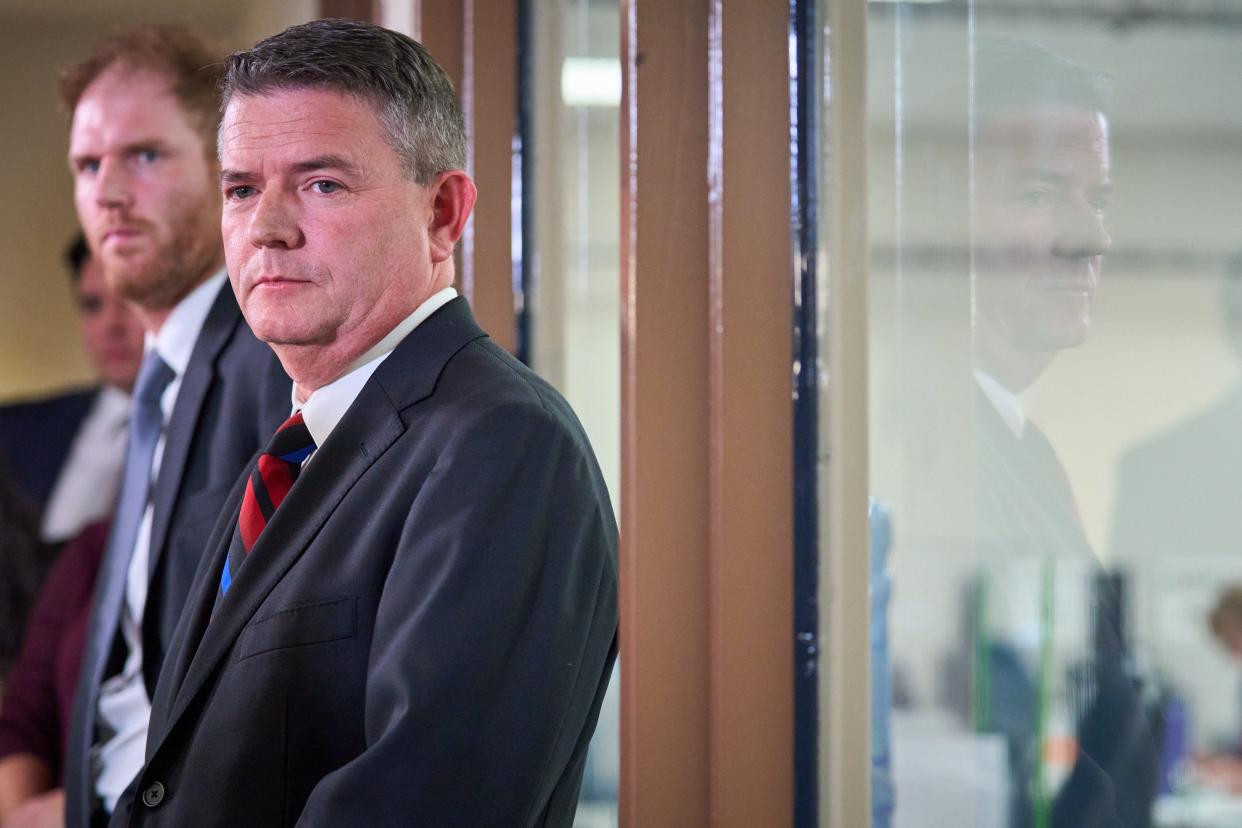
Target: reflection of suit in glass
[1025, 510]
[1024, 505]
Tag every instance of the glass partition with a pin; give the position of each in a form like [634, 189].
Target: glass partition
[575, 284]
[1055, 322]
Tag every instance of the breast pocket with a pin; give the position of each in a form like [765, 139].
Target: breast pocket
[300, 625]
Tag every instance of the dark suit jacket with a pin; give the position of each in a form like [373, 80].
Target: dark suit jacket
[423, 633]
[232, 398]
[35, 438]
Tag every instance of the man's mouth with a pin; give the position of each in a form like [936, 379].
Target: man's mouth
[121, 234]
[277, 281]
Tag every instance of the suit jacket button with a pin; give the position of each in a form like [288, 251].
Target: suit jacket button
[153, 795]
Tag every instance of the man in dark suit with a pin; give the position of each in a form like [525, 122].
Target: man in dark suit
[64, 452]
[1042, 178]
[408, 612]
[144, 114]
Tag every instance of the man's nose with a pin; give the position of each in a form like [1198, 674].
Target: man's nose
[1081, 233]
[273, 222]
[112, 185]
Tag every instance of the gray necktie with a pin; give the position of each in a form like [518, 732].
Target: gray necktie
[145, 421]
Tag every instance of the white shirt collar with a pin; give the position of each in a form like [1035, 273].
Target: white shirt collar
[175, 341]
[327, 405]
[112, 403]
[1004, 401]
[113, 399]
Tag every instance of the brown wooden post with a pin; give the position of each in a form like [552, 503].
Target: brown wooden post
[707, 577]
[751, 277]
[665, 684]
[441, 29]
[476, 43]
[490, 91]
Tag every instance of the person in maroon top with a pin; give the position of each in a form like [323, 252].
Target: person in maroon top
[38, 690]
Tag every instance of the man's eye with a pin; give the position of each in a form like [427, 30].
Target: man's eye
[239, 192]
[147, 156]
[90, 305]
[1034, 198]
[89, 165]
[325, 187]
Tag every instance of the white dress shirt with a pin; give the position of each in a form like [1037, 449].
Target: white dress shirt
[90, 480]
[124, 709]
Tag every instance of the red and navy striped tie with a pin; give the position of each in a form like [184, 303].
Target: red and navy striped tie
[269, 483]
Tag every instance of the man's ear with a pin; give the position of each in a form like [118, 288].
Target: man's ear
[452, 199]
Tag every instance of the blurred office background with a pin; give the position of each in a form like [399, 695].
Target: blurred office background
[1142, 413]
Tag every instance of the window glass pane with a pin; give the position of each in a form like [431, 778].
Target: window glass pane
[575, 302]
[1055, 327]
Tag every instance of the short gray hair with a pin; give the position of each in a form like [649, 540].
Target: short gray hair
[412, 96]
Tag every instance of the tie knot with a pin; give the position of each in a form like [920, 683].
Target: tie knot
[153, 378]
[292, 442]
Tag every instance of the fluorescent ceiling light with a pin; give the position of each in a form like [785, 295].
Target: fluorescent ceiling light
[591, 81]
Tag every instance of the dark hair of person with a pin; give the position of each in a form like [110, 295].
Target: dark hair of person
[1012, 74]
[190, 63]
[24, 563]
[412, 96]
[76, 254]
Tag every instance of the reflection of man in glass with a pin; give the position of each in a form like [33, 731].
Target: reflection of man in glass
[1041, 178]
[1041, 181]
[1041, 184]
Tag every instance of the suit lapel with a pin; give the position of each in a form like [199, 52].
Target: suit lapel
[368, 429]
[218, 327]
